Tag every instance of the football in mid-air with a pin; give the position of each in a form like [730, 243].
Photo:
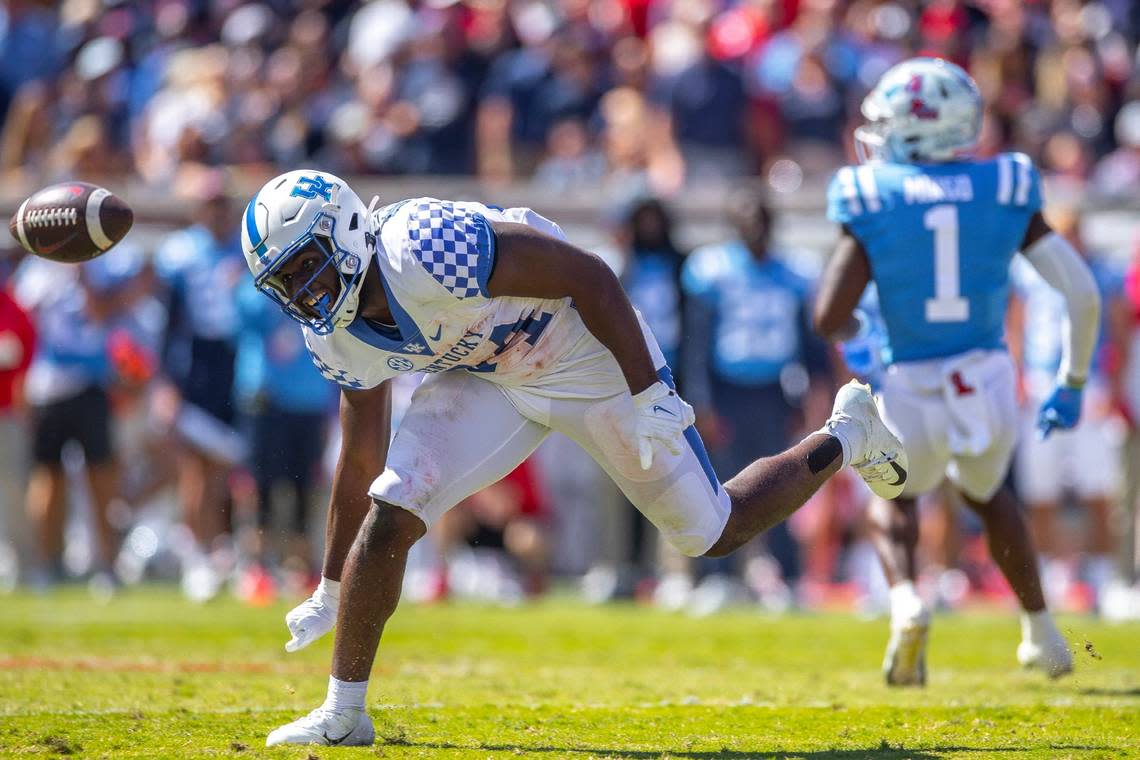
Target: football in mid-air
[71, 222]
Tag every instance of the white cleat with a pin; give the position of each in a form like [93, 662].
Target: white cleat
[905, 661]
[1052, 656]
[876, 453]
[351, 728]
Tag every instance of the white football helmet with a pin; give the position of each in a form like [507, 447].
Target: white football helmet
[923, 109]
[288, 214]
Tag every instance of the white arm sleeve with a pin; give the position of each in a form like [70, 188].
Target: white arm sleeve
[1061, 266]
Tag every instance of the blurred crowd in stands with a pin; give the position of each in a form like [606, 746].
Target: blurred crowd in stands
[574, 92]
[159, 419]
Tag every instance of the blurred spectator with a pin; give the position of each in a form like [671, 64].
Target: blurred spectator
[570, 163]
[704, 101]
[30, 46]
[201, 267]
[751, 358]
[652, 270]
[638, 145]
[552, 78]
[1085, 460]
[651, 274]
[492, 545]
[1118, 175]
[285, 403]
[1124, 602]
[75, 309]
[17, 343]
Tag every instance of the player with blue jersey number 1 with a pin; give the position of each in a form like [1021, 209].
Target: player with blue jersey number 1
[518, 333]
[936, 231]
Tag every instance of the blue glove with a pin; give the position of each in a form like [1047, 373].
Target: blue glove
[1061, 410]
[863, 352]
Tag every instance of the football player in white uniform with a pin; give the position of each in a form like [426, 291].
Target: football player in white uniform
[544, 339]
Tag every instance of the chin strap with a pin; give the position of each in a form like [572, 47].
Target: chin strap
[348, 314]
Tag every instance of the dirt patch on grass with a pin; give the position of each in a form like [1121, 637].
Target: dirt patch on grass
[60, 745]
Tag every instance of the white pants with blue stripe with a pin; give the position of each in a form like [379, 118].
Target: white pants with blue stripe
[462, 433]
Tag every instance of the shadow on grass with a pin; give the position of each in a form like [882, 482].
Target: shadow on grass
[884, 750]
[1101, 692]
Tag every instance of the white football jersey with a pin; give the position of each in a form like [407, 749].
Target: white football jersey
[435, 258]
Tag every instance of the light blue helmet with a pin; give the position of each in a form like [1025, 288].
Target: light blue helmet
[286, 215]
[922, 110]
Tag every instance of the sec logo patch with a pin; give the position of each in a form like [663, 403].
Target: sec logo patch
[400, 364]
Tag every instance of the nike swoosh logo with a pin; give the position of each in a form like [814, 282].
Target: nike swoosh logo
[659, 408]
[437, 333]
[900, 473]
[334, 742]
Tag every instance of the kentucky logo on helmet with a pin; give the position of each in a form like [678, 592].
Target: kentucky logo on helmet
[311, 187]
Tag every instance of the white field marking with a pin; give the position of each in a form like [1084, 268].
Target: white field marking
[94, 223]
[230, 710]
[740, 703]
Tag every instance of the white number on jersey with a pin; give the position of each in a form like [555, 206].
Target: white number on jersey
[947, 305]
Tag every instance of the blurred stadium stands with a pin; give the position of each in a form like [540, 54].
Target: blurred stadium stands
[573, 107]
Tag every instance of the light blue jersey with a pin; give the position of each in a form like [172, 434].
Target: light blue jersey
[940, 238]
[272, 363]
[759, 310]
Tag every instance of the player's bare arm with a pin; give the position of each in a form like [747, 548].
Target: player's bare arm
[1037, 229]
[844, 279]
[530, 263]
[366, 422]
[365, 419]
[1060, 265]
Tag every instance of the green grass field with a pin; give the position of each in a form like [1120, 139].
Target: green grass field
[150, 676]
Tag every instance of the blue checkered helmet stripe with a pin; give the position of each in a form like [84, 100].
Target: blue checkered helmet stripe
[251, 230]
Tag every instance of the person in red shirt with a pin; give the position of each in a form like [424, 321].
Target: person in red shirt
[17, 343]
[1124, 601]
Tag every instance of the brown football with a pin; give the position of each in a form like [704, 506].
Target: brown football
[71, 222]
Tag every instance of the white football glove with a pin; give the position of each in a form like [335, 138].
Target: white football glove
[314, 617]
[662, 416]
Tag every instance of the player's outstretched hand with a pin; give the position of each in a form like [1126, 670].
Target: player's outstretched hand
[662, 416]
[314, 617]
[1061, 410]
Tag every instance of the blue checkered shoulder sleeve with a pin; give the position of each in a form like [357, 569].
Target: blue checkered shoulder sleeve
[455, 244]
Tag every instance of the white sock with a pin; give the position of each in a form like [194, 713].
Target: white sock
[1038, 626]
[345, 695]
[905, 601]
